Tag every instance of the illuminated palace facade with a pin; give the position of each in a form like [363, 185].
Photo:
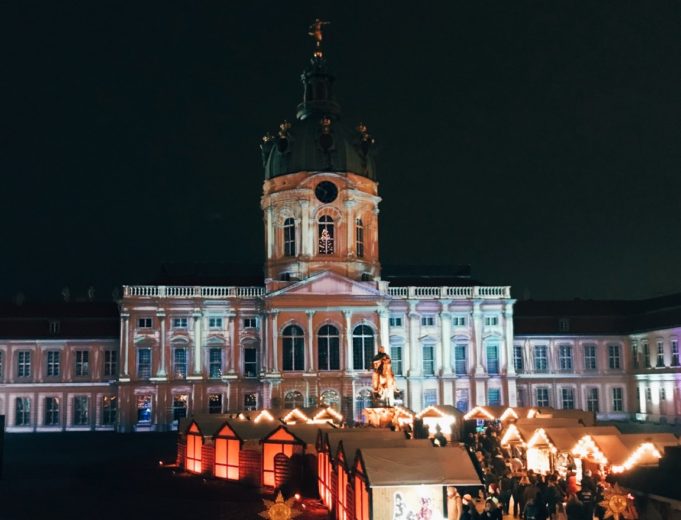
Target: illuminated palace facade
[305, 334]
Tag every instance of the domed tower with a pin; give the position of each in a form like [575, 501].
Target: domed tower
[320, 196]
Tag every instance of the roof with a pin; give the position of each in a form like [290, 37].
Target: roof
[365, 434]
[211, 424]
[451, 466]
[59, 320]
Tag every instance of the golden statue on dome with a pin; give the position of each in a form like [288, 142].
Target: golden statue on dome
[316, 32]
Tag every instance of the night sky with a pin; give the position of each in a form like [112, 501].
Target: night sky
[539, 142]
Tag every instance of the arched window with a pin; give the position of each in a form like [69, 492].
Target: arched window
[362, 347]
[359, 237]
[362, 401]
[328, 354]
[294, 399]
[326, 235]
[293, 345]
[289, 237]
[330, 398]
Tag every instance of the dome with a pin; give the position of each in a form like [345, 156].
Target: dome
[317, 140]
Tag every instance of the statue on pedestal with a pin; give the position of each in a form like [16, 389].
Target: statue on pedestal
[383, 379]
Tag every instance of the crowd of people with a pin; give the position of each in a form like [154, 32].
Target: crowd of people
[513, 489]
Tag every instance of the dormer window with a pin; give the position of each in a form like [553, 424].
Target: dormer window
[491, 321]
[180, 323]
[55, 326]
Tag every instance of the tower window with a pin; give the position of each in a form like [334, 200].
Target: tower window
[328, 342]
[289, 237]
[359, 232]
[326, 235]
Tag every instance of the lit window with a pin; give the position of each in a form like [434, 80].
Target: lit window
[427, 321]
[541, 361]
[24, 363]
[617, 399]
[675, 354]
[144, 363]
[289, 237]
[250, 362]
[518, 358]
[330, 398]
[458, 321]
[326, 235]
[82, 363]
[250, 401]
[589, 357]
[429, 397]
[144, 409]
[592, 399]
[359, 232]
[614, 357]
[180, 323]
[492, 359]
[109, 410]
[180, 362]
[328, 348]
[293, 347]
[362, 401]
[565, 358]
[214, 323]
[491, 321]
[396, 359]
[81, 417]
[110, 363]
[53, 363]
[214, 403]
[660, 354]
[395, 320]
[428, 360]
[460, 361]
[250, 323]
[461, 399]
[215, 363]
[293, 399]
[52, 411]
[144, 323]
[22, 411]
[567, 396]
[494, 396]
[180, 406]
[542, 396]
[362, 347]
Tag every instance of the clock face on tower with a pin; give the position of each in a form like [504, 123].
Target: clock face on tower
[326, 192]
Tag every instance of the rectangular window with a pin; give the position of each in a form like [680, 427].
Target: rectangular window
[460, 362]
[518, 359]
[675, 355]
[250, 362]
[215, 362]
[663, 395]
[614, 357]
[634, 355]
[458, 321]
[180, 406]
[541, 360]
[491, 321]
[521, 396]
[589, 357]
[592, 399]
[110, 363]
[53, 363]
[542, 396]
[660, 354]
[429, 397]
[567, 398]
[180, 323]
[82, 363]
[180, 362]
[24, 363]
[395, 320]
[289, 237]
[494, 396]
[55, 326]
[80, 410]
[144, 323]
[214, 323]
[359, 232]
[428, 360]
[51, 411]
[617, 399]
[493, 359]
[144, 409]
[250, 323]
[396, 358]
[649, 394]
[461, 396]
[427, 321]
[22, 411]
[646, 355]
[144, 363]
[109, 410]
[214, 403]
[565, 358]
[250, 401]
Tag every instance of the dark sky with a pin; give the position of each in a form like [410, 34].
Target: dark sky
[539, 142]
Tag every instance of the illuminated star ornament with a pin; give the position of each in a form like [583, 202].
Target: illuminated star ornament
[617, 504]
[280, 509]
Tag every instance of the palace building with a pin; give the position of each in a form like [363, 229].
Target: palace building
[305, 333]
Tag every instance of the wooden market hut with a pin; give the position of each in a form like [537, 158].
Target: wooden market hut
[388, 482]
[447, 417]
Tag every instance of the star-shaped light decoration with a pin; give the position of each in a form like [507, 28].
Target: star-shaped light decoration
[617, 504]
[280, 509]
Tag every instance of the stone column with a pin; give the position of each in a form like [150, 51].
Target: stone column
[275, 342]
[305, 229]
[445, 365]
[310, 342]
[508, 322]
[198, 343]
[269, 222]
[125, 338]
[348, 340]
[349, 215]
[477, 340]
[232, 343]
[414, 346]
[384, 329]
[162, 367]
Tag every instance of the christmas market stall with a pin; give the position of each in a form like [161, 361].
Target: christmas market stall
[447, 418]
[391, 483]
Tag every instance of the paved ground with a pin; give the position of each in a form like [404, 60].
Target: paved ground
[113, 476]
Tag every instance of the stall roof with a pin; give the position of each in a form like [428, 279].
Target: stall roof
[440, 410]
[450, 466]
[306, 433]
[615, 451]
[365, 434]
[659, 440]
